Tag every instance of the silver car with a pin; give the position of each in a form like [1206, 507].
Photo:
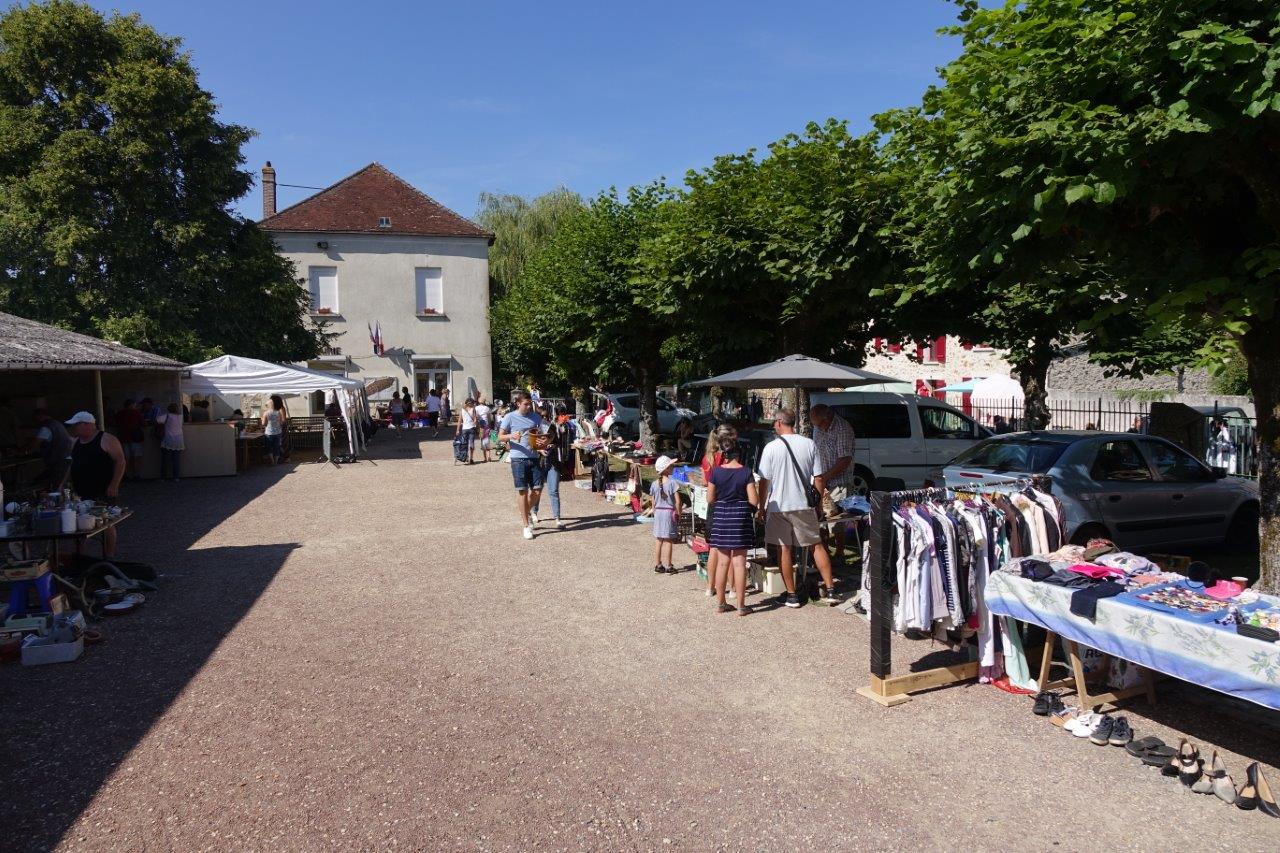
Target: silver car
[1140, 491]
[626, 414]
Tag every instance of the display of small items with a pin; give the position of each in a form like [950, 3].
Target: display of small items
[1264, 617]
[1180, 598]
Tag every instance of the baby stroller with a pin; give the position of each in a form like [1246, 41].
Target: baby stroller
[460, 449]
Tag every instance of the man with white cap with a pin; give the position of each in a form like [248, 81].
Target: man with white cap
[97, 467]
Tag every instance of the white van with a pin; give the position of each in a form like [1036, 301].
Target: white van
[902, 436]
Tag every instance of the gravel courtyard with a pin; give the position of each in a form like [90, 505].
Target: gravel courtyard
[371, 657]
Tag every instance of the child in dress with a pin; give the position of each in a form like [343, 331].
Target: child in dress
[666, 509]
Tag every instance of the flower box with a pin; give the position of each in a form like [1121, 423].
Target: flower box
[324, 310]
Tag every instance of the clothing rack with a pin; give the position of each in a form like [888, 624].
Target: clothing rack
[885, 688]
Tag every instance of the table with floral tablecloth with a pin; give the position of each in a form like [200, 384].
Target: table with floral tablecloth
[1208, 654]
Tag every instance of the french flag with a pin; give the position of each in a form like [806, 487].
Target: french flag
[375, 335]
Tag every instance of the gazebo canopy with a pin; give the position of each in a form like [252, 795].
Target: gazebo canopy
[795, 371]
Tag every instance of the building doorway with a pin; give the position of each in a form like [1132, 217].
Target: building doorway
[429, 376]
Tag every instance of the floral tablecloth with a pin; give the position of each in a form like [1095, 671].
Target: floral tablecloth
[1209, 655]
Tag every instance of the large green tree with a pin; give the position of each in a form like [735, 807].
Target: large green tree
[767, 256]
[586, 302]
[116, 179]
[1143, 136]
[521, 227]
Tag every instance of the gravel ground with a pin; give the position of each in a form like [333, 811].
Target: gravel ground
[371, 657]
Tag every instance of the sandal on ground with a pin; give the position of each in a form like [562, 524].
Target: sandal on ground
[1139, 748]
[725, 608]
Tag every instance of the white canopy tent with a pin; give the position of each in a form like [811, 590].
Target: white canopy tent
[996, 388]
[233, 374]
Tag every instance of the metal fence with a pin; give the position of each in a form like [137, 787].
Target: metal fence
[1236, 449]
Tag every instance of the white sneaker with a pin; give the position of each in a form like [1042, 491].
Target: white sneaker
[1083, 725]
[533, 517]
[559, 524]
[528, 533]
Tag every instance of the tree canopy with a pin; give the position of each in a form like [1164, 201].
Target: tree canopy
[521, 228]
[116, 177]
[1125, 154]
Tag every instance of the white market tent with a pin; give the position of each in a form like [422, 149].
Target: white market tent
[996, 388]
[233, 374]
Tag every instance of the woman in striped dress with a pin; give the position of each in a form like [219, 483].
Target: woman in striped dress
[731, 489]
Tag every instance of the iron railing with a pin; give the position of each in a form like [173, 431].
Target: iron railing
[1237, 452]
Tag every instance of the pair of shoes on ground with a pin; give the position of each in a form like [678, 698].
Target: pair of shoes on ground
[729, 608]
[826, 594]
[1100, 729]
[666, 570]
[1192, 771]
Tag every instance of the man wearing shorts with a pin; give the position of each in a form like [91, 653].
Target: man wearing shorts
[834, 437]
[526, 468]
[788, 465]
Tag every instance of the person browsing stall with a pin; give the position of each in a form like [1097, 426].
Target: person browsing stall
[834, 438]
[433, 411]
[466, 431]
[557, 459]
[484, 421]
[666, 514]
[55, 445]
[731, 489]
[274, 420]
[97, 467]
[172, 443]
[788, 466]
[515, 430]
[131, 430]
[711, 460]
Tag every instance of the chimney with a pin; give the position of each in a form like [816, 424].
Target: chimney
[268, 191]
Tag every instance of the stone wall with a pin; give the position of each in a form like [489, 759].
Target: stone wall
[1070, 375]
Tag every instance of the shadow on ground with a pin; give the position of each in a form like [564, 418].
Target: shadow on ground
[67, 728]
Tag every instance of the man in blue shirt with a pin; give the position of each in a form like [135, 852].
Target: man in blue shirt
[515, 429]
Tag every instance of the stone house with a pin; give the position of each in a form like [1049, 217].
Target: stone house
[380, 256]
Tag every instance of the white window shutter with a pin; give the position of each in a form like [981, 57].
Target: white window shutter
[429, 284]
[323, 282]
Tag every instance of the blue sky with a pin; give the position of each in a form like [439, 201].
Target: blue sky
[463, 98]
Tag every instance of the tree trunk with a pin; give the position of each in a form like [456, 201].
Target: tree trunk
[1033, 373]
[1261, 347]
[648, 425]
[717, 401]
[802, 413]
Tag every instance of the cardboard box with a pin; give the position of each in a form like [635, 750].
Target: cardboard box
[25, 570]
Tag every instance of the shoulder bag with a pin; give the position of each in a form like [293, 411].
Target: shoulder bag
[811, 495]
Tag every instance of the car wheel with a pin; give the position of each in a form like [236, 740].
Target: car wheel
[1085, 532]
[862, 480]
[1242, 535]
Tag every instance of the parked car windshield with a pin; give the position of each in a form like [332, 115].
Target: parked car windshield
[1028, 455]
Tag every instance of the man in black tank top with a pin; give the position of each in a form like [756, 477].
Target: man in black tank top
[97, 467]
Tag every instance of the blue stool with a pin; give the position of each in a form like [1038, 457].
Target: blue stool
[18, 594]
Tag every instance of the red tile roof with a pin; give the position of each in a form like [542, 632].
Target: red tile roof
[356, 203]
